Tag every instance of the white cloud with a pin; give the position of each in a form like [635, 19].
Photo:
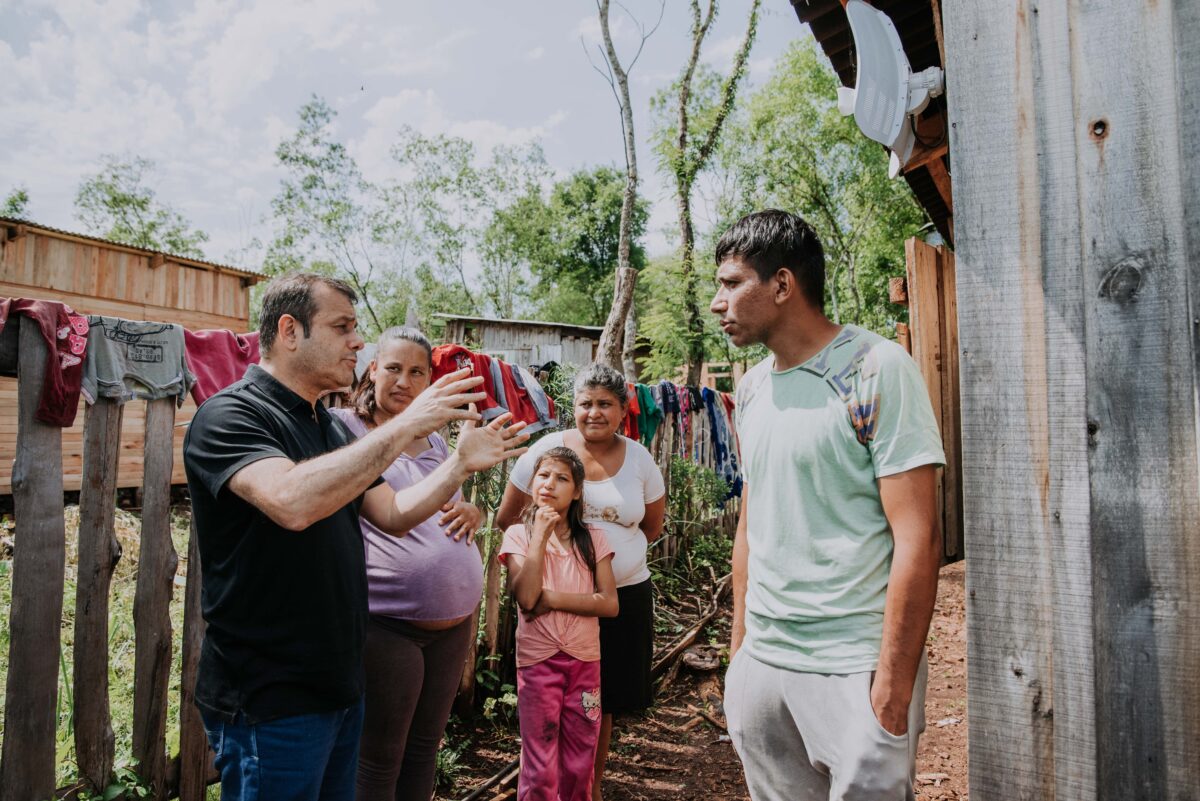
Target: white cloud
[535, 54]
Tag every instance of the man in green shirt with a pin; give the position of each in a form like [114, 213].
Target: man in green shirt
[836, 558]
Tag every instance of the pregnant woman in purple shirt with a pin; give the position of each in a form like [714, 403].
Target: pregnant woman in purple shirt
[422, 590]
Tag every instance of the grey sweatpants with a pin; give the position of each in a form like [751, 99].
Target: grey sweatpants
[815, 737]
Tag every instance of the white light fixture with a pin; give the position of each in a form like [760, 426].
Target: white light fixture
[888, 92]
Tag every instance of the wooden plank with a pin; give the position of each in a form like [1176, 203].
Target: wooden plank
[952, 531]
[27, 758]
[924, 312]
[941, 180]
[903, 337]
[1143, 457]
[99, 553]
[898, 290]
[195, 757]
[1005, 409]
[151, 608]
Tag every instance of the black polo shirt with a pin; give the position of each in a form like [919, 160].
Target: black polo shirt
[286, 610]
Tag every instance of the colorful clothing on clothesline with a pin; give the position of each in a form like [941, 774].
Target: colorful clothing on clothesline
[66, 336]
[507, 389]
[218, 357]
[129, 359]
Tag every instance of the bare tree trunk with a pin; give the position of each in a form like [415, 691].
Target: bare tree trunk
[628, 352]
[613, 337]
[687, 165]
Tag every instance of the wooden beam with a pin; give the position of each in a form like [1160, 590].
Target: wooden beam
[99, 553]
[898, 290]
[923, 156]
[157, 561]
[27, 757]
[157, 260]
[941, 179]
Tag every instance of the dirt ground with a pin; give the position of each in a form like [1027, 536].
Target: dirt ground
[678, 751]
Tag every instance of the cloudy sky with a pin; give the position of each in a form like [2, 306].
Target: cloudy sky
[208, 88]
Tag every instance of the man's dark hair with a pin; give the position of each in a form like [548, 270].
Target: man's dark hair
[293, 294]
[768, 240]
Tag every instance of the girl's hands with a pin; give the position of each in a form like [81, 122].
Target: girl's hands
[459, 518]
[544, 521]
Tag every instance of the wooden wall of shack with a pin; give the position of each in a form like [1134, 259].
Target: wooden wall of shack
[98, 277]
[1074, 134]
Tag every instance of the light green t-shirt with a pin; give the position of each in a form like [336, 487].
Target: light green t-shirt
[815, 439]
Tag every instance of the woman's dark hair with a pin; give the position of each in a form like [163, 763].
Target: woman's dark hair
[770, 240]
[581, 537]
[362, 399]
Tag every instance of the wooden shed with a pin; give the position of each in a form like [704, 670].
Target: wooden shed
[1073, 131]
[524, 342]
[95, 276]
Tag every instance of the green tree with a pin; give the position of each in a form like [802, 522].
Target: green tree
[797, 152]
[331, 220]
[116, 204]
[701, 104]
[16, 203]
[411, 244]
[570, 243]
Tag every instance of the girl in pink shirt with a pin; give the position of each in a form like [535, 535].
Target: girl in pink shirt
[560, 574]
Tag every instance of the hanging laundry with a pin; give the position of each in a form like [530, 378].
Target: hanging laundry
[66, 336]
[128, 359]
[633, 410]
[685, 422]
[497, 376]
[543, 404]
[520, 402]
[651, 415]
[218, 357]
[448, 358]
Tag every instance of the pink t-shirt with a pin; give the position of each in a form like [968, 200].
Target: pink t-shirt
[562, 571]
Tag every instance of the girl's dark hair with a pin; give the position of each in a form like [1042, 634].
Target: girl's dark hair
[362, 399]
[581, 537]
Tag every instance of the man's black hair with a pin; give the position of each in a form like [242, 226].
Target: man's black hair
[768, 240]
[293, 294]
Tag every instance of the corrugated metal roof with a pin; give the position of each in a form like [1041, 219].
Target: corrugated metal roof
[915, 24]
[591, 331]
[188, 260]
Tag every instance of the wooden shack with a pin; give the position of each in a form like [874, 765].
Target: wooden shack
[1072, 129]
[523, 342]
[95, 276]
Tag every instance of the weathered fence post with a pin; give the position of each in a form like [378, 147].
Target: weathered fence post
[99, 553]
[195, 758]
[1074, 129]
[27, 761]
[151, 607]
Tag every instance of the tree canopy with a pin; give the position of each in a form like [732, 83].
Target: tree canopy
[117, 203]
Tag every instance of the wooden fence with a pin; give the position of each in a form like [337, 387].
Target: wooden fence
[27, 760]
[28, 755]
[931, 336]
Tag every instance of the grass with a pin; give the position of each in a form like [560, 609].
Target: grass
[121, 635]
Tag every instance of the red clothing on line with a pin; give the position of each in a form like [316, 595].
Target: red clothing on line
[218, 357]
[65, 333]
[446, 360]
[632, 412]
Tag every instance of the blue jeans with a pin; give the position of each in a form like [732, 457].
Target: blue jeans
[302, 758]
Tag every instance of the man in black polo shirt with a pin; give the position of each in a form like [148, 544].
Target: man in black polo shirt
[277, 485]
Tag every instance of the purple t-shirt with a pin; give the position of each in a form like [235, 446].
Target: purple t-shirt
[424, 575]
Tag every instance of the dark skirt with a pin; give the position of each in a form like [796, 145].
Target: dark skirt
[626, 648]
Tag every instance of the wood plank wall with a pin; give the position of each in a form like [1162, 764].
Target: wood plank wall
[1074, 130]
[932, 338]
[94, 279]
